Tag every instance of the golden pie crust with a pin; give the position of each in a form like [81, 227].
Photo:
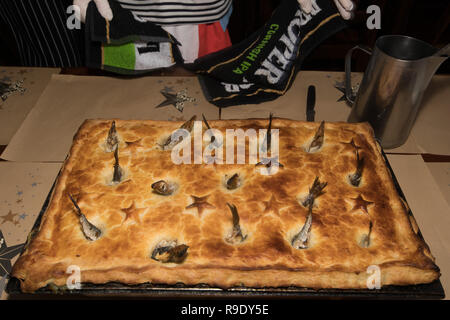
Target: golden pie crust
[134, 220]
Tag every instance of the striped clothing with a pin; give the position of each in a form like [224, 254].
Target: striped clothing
[42, 38]
[167, 12]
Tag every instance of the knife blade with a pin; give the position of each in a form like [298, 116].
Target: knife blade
[310, 103]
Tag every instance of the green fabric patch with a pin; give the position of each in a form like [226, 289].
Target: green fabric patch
[120, 56]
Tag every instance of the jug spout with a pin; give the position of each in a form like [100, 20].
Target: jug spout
[432, 65]
[427, 66]
[435, 60]
[444, 52]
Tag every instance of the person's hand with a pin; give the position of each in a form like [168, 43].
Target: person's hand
[102, 6]
[345, 7]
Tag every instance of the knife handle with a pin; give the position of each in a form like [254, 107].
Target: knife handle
[310, 103]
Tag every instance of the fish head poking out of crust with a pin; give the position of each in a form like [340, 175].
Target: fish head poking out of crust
[90, 231]
[170, 251]
[163, 188]
[233, 182]
[301, 239]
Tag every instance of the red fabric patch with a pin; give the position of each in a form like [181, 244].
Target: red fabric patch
[212, 38]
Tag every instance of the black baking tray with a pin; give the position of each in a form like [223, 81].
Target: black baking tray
[433, 290]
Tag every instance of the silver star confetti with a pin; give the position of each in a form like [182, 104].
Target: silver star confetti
[2, 284]
[340, 85]
[7, 89]
[6, 255]
[176, 99]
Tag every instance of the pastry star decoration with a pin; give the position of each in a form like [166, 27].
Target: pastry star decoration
[361, 204]
[272, 205]
[201, 204]
[132, 213]
[6, 254]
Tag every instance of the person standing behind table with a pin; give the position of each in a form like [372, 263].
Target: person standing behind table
[43, 39]
[40, 32]
[199, 25]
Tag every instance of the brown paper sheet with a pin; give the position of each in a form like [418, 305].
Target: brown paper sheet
[431, 133]
[16, 107]
[23, 189]
[429, 208]
[441, 174]
[47, 132]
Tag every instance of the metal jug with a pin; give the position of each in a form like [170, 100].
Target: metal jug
[390, 93]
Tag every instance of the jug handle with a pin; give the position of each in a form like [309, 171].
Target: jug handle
[348, 71]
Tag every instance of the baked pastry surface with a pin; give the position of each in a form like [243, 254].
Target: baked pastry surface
[134, 219]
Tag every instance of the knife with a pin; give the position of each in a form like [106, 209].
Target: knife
[310, 103]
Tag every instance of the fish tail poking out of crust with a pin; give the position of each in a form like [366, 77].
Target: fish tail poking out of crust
[189, 125]
[315, 191]
[213, 138]
[90, 231]
[236, 235]
[266, 145]
[117, 175]
[269, 132]
[170, 143]
[112, 141]
[317, 142]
